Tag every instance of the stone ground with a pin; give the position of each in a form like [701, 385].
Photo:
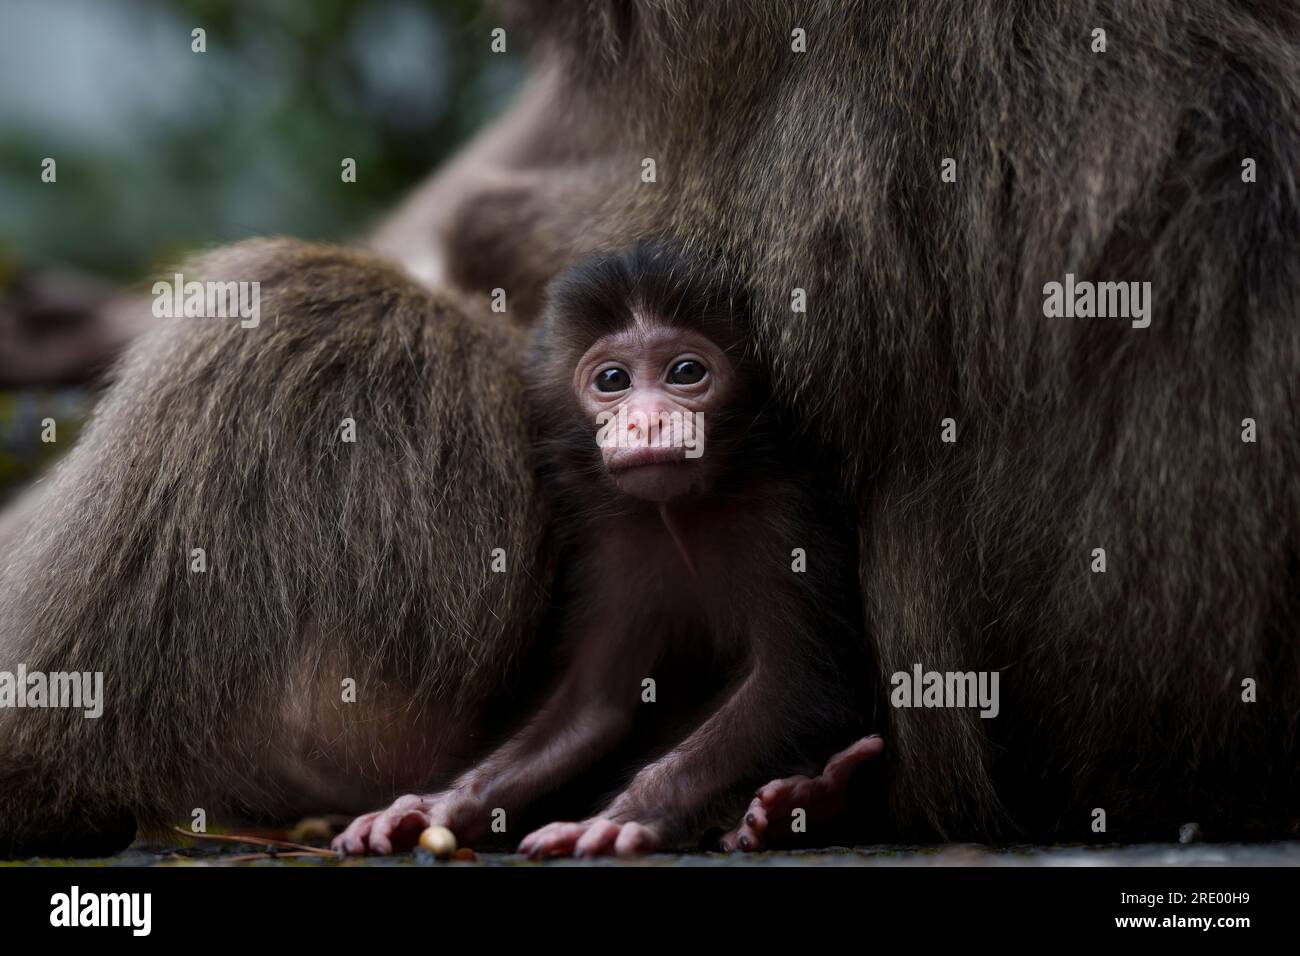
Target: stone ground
[963, 855]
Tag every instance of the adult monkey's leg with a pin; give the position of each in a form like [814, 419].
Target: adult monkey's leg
[323, 560]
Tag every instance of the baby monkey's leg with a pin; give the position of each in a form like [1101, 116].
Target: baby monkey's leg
[684, 788]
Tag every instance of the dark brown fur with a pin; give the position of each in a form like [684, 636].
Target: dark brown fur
[821, 171]
[818, 171]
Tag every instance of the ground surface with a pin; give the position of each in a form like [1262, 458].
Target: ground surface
[1200, 854]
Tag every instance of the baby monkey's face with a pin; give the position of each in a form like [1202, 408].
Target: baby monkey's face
[648, 392]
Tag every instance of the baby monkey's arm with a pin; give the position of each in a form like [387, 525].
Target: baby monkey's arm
[582, 721]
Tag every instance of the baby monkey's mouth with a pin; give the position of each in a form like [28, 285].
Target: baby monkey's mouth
[628, 459]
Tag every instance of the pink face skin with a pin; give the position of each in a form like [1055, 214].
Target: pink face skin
[649, 372]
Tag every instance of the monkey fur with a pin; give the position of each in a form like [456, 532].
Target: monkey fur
[816, 171]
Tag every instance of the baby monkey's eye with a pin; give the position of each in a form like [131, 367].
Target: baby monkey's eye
[686, 372]
[612, 380]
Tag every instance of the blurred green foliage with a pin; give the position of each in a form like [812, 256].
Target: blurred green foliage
[160, 149]
[23, 451]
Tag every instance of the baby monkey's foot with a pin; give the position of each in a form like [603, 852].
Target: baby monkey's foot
[598, 836]
[768, 820]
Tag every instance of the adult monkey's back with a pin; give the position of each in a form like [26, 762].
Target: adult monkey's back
[819, 171]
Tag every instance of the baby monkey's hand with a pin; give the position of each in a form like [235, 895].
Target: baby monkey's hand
[398, 827]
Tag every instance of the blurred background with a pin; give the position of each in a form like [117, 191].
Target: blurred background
[161, 150]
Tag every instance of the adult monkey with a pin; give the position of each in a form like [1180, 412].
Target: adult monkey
[816, 170]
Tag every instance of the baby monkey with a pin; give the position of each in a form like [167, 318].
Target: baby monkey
[691, 521]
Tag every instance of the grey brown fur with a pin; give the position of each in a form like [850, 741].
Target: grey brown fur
[326, 560]
[818, 171]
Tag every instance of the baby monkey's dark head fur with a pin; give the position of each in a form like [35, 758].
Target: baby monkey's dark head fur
[644, 385]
